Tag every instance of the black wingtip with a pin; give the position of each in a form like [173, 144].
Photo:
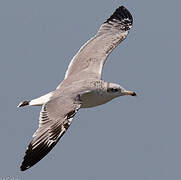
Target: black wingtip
[34, 155]
[22, 168]
[122, 15]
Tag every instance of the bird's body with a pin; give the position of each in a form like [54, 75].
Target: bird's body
[93, 92]
[82, 87]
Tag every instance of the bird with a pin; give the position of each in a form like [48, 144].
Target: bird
[82, 87]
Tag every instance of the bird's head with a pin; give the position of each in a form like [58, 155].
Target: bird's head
[116, 90]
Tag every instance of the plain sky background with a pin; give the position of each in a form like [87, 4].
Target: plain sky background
[128, 138]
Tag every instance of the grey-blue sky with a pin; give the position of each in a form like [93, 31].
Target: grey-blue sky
[128, 138]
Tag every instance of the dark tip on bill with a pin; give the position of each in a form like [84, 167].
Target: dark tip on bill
[134, 94]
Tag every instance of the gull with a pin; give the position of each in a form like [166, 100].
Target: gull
[82, 87]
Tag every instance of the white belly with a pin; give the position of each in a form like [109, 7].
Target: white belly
[93, 99]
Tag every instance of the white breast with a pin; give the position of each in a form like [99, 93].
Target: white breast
[94, 98]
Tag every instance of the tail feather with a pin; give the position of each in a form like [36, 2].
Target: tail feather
[24, 103]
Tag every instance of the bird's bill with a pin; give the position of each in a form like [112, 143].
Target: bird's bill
[130, 93]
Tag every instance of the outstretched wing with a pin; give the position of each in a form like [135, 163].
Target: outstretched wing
[92, 56]
[55, 118]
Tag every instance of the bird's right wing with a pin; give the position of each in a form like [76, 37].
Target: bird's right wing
[92, 56]
[55, 118]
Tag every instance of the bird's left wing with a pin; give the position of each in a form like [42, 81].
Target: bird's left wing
[92, 56]
[55, 118]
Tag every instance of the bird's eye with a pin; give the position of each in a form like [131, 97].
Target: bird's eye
[112, 90]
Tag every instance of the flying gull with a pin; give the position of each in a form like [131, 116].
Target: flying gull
[82, 87]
